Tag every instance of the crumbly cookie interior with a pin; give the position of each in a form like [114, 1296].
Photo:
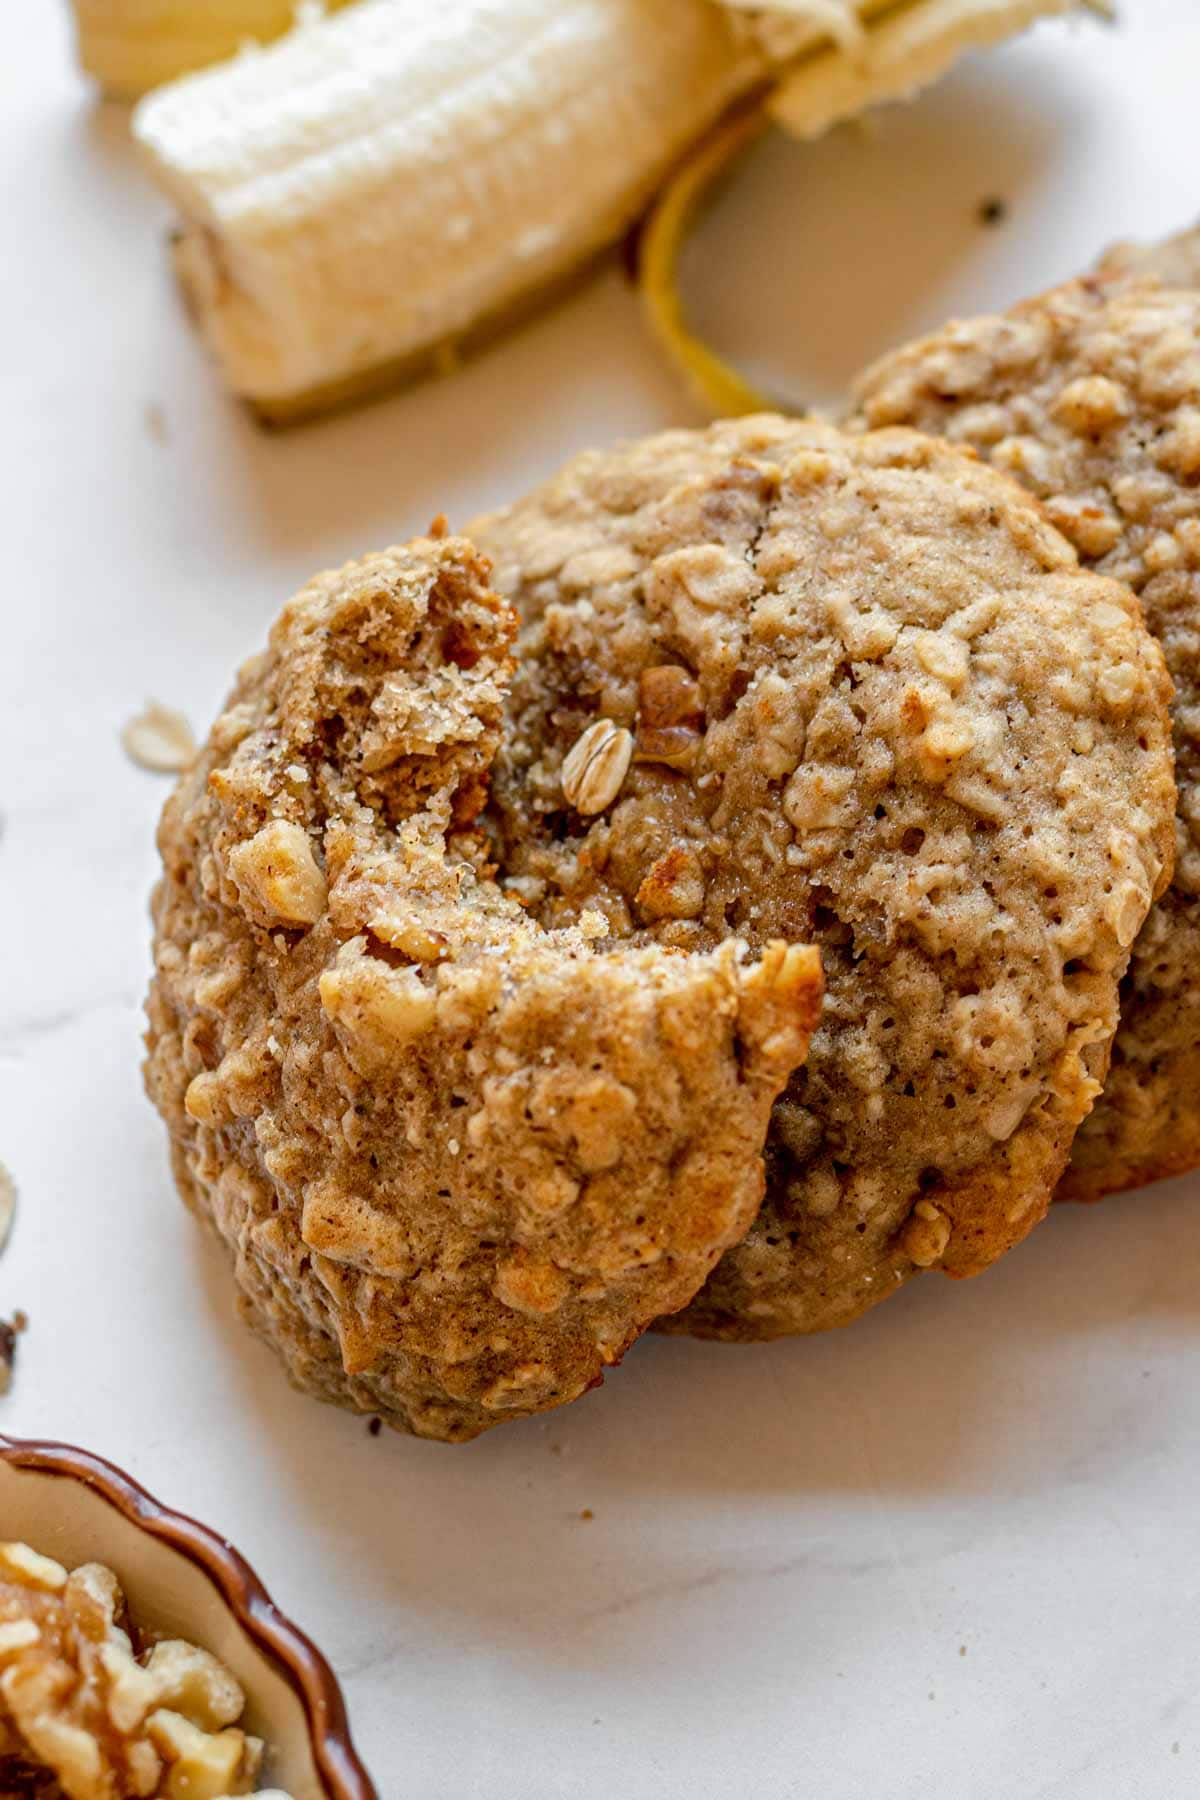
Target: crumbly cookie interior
[461, 1158]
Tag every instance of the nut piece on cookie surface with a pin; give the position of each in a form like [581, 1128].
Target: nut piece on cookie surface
[925, 1237]
[670, 716]
[278, 876]
[460, 1157]
[924, 738]
[1090, 396]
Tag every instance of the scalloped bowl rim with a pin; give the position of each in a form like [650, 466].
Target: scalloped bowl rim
[282, 1644]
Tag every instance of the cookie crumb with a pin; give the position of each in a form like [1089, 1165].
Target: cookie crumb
[962, 1649]
[375, 1426]
[587, 1513]
[158, 739]
[993, 210]
[156, 423]
[8, 1205]
[8, 1354]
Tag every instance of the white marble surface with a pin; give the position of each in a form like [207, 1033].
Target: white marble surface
[954, 1551]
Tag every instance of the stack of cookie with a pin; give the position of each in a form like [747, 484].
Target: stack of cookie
[487, 1016]
[1089, 396]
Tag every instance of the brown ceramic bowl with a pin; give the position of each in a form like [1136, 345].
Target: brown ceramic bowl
[182, 1580]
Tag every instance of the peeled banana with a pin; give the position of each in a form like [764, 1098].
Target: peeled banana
[129, 46]
[381, 184]
[380, 188]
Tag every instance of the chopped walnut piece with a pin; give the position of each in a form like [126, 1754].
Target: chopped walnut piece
[670, 722]
[19, 1563]
[82, 1717]
[674, 886]
[926, 1234]
[278, 876]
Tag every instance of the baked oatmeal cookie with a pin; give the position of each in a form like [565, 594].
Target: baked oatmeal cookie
[460, 1160]
[875, 702]
[1175, 261]
[1090, 397]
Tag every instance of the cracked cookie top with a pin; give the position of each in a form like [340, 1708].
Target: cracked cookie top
[863, 694]
[1089, 396]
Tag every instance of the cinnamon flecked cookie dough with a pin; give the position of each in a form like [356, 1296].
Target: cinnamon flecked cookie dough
[874, 701]
[1090, 397]
[459, 1159]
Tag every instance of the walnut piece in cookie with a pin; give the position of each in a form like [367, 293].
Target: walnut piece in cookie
[1090, 396]
[460, 1159]
[86, 1716]
[911, 729]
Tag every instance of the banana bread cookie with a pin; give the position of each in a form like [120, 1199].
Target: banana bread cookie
[1090, 397]
[874, 701]
[460, 1160]
[1175, 261]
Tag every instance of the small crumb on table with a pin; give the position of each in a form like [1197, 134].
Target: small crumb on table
[993, 210]
[8, 1354]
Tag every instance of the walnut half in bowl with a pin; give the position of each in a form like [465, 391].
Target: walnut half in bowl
[141, 1658]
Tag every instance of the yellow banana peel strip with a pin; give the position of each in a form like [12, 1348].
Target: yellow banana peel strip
[874, 54]
[716, 384]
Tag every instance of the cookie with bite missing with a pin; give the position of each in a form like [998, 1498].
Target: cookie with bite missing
[459, 1159]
